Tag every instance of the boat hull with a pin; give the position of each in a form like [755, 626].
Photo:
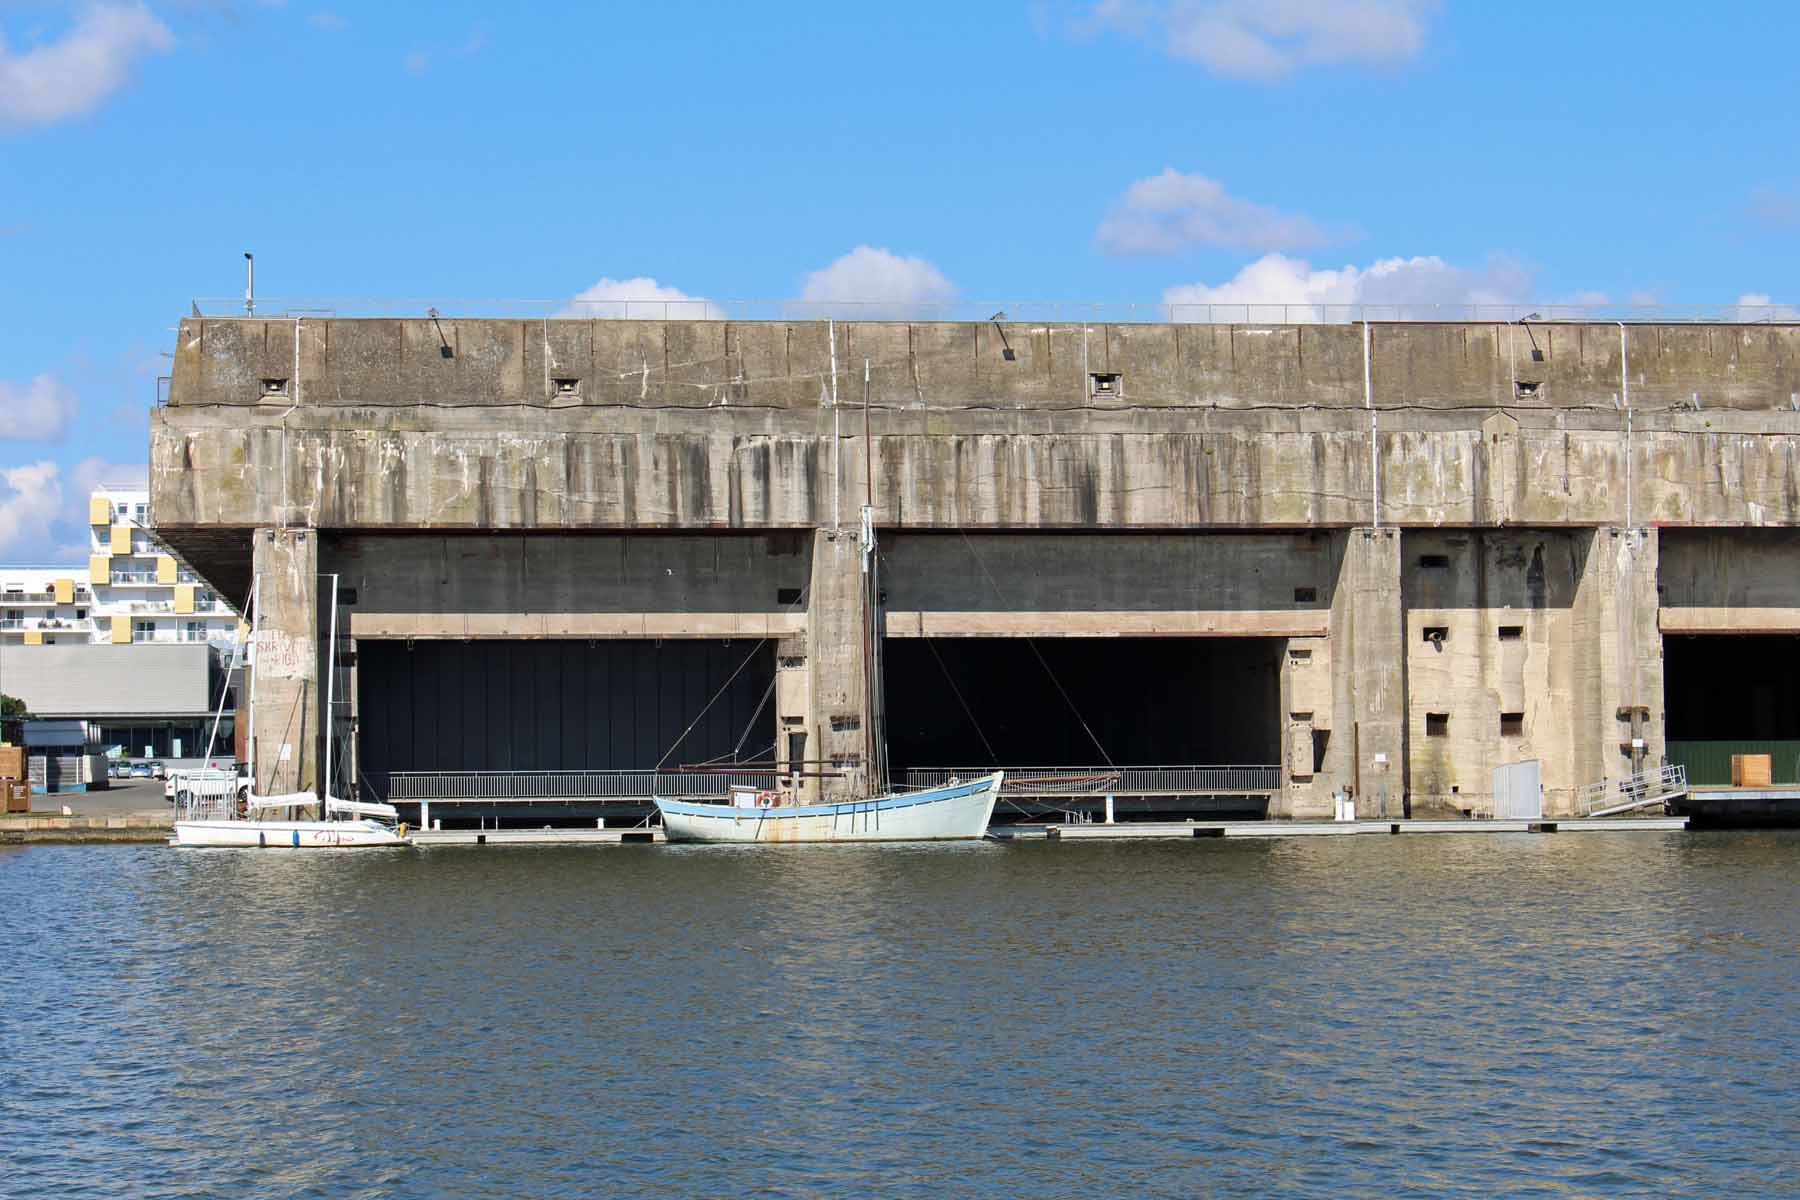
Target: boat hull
[287, 835]
[958, 811]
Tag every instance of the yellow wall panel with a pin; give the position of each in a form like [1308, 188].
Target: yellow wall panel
[121, 631]
[165, 569]
[33, 638]
[121, 539]
[99, 568]
[184, 598]
[99, 510]
[64, 590]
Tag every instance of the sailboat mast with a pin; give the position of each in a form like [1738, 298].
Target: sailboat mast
[875, 751]
[255, 670]
[330, 690]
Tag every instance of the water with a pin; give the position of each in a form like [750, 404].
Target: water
[1569, 1015]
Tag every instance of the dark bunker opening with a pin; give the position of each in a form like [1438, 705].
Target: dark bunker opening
[972, 702]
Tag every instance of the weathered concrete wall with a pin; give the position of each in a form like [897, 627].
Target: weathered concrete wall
[288, 698]
[719, 425]
[485, 478]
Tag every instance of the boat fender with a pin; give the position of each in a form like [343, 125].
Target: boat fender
[401, 830]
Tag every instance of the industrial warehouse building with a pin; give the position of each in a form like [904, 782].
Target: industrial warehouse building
[1382, 557]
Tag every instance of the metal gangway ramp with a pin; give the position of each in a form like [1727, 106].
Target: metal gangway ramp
[1611, 797]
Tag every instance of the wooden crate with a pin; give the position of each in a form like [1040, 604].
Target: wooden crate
[1751, 770]
[17, 795]
[12, 761]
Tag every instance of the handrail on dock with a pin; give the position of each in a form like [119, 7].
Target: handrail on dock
[1657, 785]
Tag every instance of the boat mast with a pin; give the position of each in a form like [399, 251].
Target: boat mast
[255, 670]
[237, 656]
[875, 750]
[330, 711]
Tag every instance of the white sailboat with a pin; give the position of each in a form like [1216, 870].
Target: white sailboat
[957, 810]
[248, 819]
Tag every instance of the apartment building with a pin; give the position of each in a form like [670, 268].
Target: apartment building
[130, 593]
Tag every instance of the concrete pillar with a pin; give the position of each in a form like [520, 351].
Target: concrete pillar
[1368, 745]
[837, 697]
[1620, 648]
[289, 701]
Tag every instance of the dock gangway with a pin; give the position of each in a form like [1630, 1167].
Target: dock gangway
[1629, 793]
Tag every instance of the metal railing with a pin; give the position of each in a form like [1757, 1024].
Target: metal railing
[1631, 791]
[508, 787]
[1070, 312]
[52, 624]
[1102, 781]
[171, 635]
[133, 577]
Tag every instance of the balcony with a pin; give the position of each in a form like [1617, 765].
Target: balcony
[168, 636]
[28, 597]
[133, 578]
[46, 624]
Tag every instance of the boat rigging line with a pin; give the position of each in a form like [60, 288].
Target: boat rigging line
[1032, 642]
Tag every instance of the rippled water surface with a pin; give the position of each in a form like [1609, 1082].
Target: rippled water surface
[1568, 1015]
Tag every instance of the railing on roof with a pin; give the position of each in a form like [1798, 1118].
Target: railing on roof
[1101, 781]
[564, 786]
[1054, 312]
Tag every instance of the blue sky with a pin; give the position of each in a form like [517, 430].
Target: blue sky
[1120, 151]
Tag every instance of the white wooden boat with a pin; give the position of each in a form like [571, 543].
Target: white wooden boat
[954, 811]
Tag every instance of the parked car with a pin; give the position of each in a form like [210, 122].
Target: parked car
[157, 769]
[115, 770]
[140, 770]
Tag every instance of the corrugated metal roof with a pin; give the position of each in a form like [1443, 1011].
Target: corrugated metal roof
[85, 680]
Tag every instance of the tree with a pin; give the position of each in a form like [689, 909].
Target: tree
[14, 712]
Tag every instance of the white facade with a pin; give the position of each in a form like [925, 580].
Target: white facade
[129, 591]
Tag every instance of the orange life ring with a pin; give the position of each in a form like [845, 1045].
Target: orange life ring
[767, 799]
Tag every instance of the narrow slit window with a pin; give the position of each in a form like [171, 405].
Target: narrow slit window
[1437, 635]
[1511, 633]
[787, 595]
[1306, 595]
[1434, 562]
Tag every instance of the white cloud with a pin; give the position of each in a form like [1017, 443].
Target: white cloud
[39, 411]
[43, 510]
[1174, 211]
[641, 299]
[874, 284]
[1278, 288]
[75, 73]
[1267, 39]
[30, 499]
[1760, 306]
